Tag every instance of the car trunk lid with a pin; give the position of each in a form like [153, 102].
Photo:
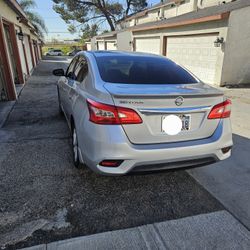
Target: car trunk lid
[154, 102]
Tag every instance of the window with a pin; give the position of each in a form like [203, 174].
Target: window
[81, 69]
[70, 70]
[142, 70]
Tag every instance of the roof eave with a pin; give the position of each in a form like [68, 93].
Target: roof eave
[17, 8]
[217, 17]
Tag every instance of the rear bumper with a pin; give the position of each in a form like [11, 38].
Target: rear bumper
[113, 144]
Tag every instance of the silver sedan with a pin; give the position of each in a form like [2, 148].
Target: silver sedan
[141, 112]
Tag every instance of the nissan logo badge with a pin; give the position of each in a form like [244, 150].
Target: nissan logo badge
[179, 101]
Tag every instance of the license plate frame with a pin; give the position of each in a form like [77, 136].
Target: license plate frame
[186, 121]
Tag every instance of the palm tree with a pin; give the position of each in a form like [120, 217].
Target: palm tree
[33, 17]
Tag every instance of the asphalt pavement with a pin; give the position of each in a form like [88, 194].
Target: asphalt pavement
[44, 198]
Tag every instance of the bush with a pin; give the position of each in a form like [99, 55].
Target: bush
[66, 48]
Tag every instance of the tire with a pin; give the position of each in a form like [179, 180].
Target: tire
[74, 144]
[59, 102]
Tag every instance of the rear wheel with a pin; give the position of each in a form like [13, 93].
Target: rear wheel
[59, 102]
[75, 150]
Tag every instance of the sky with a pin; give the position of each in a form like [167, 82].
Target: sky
[56, 26]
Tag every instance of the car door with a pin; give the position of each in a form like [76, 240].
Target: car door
[64, 86]
[80, 72]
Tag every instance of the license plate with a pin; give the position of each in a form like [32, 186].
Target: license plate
[186, 121]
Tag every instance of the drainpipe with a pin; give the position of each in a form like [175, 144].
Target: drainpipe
[195, 5]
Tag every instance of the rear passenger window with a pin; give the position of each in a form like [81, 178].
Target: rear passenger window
[81, 69]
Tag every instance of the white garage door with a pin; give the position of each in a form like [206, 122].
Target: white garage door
[149, 45]
[28, 53]
[100, 45]
[88, 46]
[196, 53]
[111, 45]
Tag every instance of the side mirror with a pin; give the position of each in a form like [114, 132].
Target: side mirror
[58, 72]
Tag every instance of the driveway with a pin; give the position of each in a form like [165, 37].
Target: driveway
[229, 181]
[44, 198]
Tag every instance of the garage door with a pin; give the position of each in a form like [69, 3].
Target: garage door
[111, 45]
[28, 53]
[100, 45]
[88, 46]
[149, 45]
[196, 53]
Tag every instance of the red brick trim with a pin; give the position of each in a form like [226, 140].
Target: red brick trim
[10, 86]
[164, 50]
[15, 50]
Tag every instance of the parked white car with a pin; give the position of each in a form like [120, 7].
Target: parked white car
[54, 52]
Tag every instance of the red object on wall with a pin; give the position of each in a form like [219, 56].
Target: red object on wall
[16, 52]
[10, 86]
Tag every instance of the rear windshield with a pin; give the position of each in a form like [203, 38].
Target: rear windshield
[142, 70]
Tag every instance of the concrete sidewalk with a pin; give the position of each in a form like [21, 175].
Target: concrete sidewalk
[218, 230]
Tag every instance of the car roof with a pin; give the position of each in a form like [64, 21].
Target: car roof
[102, 53]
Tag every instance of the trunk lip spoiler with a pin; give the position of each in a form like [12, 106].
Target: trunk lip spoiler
[168, 95]
[175, 110]
[188, 90]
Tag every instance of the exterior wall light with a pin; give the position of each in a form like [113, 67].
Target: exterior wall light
[218, 42]
[20, 35]
[131, 43]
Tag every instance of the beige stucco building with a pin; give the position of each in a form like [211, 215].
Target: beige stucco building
[20, 48]
[209, 38]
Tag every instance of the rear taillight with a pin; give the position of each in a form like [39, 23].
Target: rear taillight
[221, 110]
[101, 113]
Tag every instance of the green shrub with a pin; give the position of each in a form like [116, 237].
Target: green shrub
[66, 48]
